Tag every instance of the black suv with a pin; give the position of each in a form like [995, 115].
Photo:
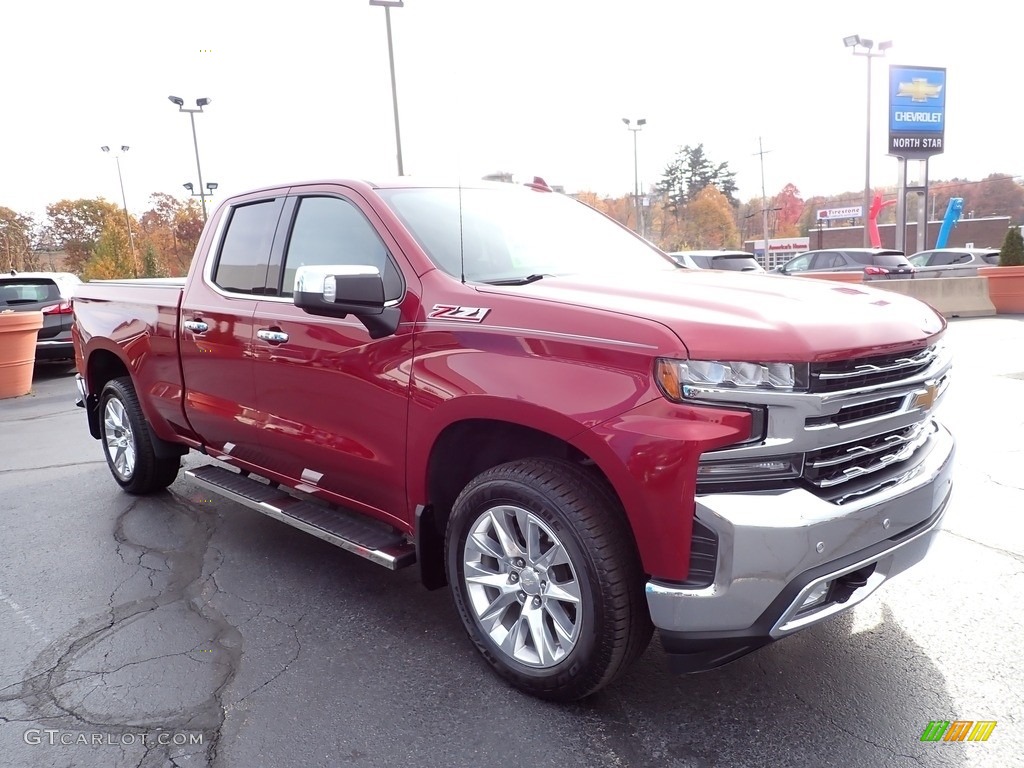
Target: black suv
[875, 263]
[47, 291]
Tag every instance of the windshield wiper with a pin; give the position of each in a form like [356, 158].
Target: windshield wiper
[517, 280]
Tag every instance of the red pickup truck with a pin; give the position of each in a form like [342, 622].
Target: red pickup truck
[540, 409]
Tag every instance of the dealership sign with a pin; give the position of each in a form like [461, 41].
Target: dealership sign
[917, 111]
[853, 212]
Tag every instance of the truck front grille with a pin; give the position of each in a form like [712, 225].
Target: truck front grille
[869, 371]
[855, 413]
[838, 464]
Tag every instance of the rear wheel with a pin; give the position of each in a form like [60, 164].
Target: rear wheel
[546, 579]
[127, 443]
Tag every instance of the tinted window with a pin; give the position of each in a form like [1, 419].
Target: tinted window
[991, 258]
[826, 260]
[14, 291]
[891, 260]
[245, 252]
[329, 231]
[946, 258]
[799, 263]
[864, 259]
[736, 263]
[704, 262]
[920, 259]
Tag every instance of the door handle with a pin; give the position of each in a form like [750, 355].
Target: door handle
[274, 337]
[196, 326]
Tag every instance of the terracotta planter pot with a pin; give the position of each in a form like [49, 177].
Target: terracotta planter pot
[18, 332]
[1005, 288]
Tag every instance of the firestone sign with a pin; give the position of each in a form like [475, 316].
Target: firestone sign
[917, 111]
[827, 214]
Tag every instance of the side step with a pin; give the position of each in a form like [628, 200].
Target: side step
[356, 533]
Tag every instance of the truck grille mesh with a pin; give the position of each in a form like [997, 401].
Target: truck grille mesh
[869, 371]
[840, 463]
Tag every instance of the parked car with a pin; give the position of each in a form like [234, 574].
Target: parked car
[954, 262]
[732, 261]
[875, 263]
[50, 292]
[540, 410]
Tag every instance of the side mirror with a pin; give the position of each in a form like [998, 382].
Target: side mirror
[342, 289]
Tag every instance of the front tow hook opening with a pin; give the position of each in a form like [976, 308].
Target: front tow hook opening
[844, 587]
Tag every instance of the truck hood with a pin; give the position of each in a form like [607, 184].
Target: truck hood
[729, 316]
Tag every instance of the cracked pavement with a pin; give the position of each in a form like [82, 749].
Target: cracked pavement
[172, 614]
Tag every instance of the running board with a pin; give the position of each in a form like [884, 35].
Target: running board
[351, 531]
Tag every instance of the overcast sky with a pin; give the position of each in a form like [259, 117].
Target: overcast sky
[301, 90]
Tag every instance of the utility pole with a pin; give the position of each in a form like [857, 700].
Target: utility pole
[764, 201]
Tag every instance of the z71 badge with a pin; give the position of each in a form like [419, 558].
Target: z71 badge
[453, 312]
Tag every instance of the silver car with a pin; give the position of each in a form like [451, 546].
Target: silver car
[49, 292]
[733, 261]
[954, 262]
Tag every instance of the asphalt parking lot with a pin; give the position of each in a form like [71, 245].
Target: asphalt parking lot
[188, 631]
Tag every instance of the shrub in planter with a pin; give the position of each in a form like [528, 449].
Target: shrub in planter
[1012, 252]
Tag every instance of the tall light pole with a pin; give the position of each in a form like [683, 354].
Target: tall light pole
[200, 103]
[124, 201]
[856, 41]
[388, 5]
[636, 175]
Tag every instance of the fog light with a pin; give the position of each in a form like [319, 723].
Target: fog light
[816, 596]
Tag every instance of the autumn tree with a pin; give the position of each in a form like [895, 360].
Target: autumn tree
[788, 207]
[708, 222]
[111, 256]
[75, 227]
[16, 241]
[689, 173]
[172, 228]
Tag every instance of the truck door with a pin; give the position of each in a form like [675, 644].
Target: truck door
[217, 327]
[333, 403]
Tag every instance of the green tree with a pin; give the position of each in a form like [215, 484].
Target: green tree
[1012, 252]
[150, 263]
[16, 241]
[689, 173]
[75, 226]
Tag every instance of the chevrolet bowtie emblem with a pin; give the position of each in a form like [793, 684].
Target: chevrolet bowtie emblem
[919, 89]
[926, 399]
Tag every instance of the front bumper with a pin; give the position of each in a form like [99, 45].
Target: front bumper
[776, 547]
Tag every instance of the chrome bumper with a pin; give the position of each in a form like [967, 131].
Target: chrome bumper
[775, 547]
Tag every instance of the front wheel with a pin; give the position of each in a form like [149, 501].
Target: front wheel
[127, 444]
[546, 578]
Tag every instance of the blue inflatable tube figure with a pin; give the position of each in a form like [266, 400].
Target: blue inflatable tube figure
[953, 213]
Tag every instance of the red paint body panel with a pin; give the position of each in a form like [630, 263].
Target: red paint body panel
[569, 356]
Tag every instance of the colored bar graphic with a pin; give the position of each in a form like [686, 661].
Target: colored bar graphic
[934, 730]
[982, 730]
[958, 730]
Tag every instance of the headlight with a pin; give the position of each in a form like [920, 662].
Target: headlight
[675, 377]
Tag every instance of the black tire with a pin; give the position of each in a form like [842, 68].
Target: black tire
[148, 471]
[585, 519]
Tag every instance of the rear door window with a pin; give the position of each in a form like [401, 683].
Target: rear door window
[245, 250]
[826, 260]
[735, 263]
[945, 258]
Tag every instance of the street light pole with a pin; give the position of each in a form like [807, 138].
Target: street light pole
[391, 60]
[853, 41]
[636, 174]
[124, 201]
[200, 103]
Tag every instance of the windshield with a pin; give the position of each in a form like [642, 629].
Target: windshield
[512, 234]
